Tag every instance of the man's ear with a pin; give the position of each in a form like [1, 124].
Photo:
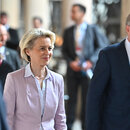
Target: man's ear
[127, 28]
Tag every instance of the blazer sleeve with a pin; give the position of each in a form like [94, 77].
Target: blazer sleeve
[60, 117]
[3, 121]
[100, 41]
[10, 97]
[96, 93]
[65, 48]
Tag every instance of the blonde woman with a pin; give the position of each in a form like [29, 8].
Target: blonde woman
[34, 95]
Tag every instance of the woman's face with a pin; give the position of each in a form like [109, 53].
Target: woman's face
[41, 52]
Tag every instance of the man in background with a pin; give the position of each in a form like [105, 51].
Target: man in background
[5, 68]
[9, 55]
[37, 22]
[3, 118]
[81, 45]
[13, 38]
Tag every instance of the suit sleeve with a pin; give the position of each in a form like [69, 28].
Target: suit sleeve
[10, 97]
[3, 121]
[60, 117]
[100, 41]
[65, 47]
[96, 93]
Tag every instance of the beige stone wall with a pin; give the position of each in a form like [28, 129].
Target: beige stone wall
[125, 10]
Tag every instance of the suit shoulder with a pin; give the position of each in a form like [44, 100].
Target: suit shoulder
[11, 50]
[111, 47]
[69, 28]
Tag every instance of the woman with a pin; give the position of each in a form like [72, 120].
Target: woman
[34, 95]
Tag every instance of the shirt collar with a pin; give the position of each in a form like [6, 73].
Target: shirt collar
[83, 26]
[28, 72]
[2, 49]
[127, 43]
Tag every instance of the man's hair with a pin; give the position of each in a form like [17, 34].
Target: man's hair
[3, 14]
[82, 8]
[39, 18]
[128, 20]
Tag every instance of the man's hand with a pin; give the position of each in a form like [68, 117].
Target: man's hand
[87, 65]
[75, 65]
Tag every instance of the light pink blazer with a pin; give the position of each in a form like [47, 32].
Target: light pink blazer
[23, 102]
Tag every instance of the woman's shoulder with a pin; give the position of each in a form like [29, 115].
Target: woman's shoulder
[55, 75]
[17, 73]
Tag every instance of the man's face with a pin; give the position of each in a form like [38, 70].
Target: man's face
[128, 31]
[3, 20]
[37, 23]
[76, 13]
[3, 35]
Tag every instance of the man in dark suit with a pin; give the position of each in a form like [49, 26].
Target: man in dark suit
[81, 45]
[13, 39]
[3, 120]
[5, 68]
[10, 55]
[108, 100]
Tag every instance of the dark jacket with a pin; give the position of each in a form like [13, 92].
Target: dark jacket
[12, 57]
[108, 100]
[5, 68]
[3, 120]
[93, 42]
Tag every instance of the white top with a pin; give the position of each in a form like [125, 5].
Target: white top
[2, 51]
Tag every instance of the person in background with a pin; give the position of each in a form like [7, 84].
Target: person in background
[13, 37]
[5, 68]
[81, 44]
[3, 118]
[37, 22]
[34, 95]
[108, 100]
[9, 55]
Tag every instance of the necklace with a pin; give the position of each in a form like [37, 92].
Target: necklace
[39, 78]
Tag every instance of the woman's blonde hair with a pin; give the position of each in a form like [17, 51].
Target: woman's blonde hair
[29, 37]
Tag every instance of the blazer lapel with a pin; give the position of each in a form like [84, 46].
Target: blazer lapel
[7, 54]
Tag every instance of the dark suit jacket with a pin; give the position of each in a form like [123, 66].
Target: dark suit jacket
[5, 68]
[12, 57]
[3, 121]
[108, 100]
[13, 42]
[92, 43]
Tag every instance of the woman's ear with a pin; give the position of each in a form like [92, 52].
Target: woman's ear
[27, 51]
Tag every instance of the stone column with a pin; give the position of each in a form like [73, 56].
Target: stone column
[66, 11]
[12, 8]
[36, 8]
[125, 10]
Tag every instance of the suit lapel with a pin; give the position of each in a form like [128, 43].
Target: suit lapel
[72, 44]
[7, 54]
